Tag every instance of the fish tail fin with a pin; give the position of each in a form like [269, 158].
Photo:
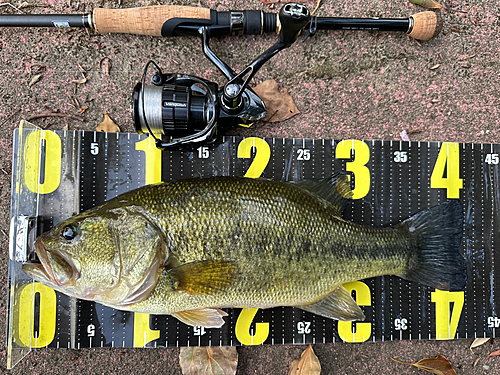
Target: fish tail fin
[438, 233]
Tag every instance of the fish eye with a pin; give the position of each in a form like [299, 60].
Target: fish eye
[68, 233]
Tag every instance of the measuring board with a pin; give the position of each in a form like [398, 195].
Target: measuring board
[59, 173]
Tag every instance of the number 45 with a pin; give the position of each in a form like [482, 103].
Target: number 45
[491, 159]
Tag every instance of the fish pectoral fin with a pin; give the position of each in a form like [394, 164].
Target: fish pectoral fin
[208, 318]
[337, 305]
[204, 277]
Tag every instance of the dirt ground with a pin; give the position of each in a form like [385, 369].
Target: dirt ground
[362, 85]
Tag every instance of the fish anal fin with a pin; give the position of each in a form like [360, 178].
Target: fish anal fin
[204, 277]
[337, 305]
[207, 318]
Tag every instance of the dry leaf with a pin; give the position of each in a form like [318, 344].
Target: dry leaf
[107, 125]
[431, 4]
[279, 105]
[210, 360]
[34, 80]
[495, 353]
[80, 81]
[318, 4]
[307, 365]
[106, 65]
[478, 342]
[82, 69]
[434, 67]
[439, 365]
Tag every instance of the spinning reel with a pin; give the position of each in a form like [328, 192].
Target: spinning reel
[189, 109]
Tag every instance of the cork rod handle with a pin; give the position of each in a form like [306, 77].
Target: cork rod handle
[425, 25]
[143, 20]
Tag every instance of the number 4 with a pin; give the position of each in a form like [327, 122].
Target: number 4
[446, 173]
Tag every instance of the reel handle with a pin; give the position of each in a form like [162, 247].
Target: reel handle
[293, 18]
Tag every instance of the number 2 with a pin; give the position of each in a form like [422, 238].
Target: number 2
[262, 155]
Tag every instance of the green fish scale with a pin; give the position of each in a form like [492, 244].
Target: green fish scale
[288, 245]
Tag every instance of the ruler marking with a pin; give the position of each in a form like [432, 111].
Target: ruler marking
[486, 177]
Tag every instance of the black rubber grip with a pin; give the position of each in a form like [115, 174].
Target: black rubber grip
[270, 22]
[253, 22]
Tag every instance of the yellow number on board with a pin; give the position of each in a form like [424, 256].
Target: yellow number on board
[446, 323]
[242, 329]
[357, 166]
[24, 311]
[142, 332]
[33, 159]
[448, 162]
[262, 155]
[356, 332]
[153, 160]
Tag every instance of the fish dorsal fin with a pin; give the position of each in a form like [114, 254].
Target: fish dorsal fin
[204, 277]
[335, 189]
[337, 305]
[208, 318]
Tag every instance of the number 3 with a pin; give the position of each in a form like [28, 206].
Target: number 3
[357, 166]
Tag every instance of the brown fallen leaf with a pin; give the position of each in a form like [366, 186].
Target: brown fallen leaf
[34, 80]
[80, 81]
[307, 365]
[210, 360]
[476, 361]
[439, 365]
[318, 4]
[82, 69]
[431, 4]
[478, 342]
[495, 353]
[105, 65]
[279, 105]
[107, 125]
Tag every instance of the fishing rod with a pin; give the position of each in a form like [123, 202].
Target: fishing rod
[188, 109]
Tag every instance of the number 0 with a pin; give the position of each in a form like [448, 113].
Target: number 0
[42, 152]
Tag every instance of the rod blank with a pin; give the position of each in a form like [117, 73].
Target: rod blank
[45, 20]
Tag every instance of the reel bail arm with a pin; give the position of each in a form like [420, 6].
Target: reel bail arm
[293, 18]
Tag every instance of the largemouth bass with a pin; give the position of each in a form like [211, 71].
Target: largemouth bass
[190, 247]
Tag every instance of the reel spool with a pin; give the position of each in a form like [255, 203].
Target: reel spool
[180, 106]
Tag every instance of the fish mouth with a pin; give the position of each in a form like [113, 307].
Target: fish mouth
[51, 266]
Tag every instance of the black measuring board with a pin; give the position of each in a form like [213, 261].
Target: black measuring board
[391, 180]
